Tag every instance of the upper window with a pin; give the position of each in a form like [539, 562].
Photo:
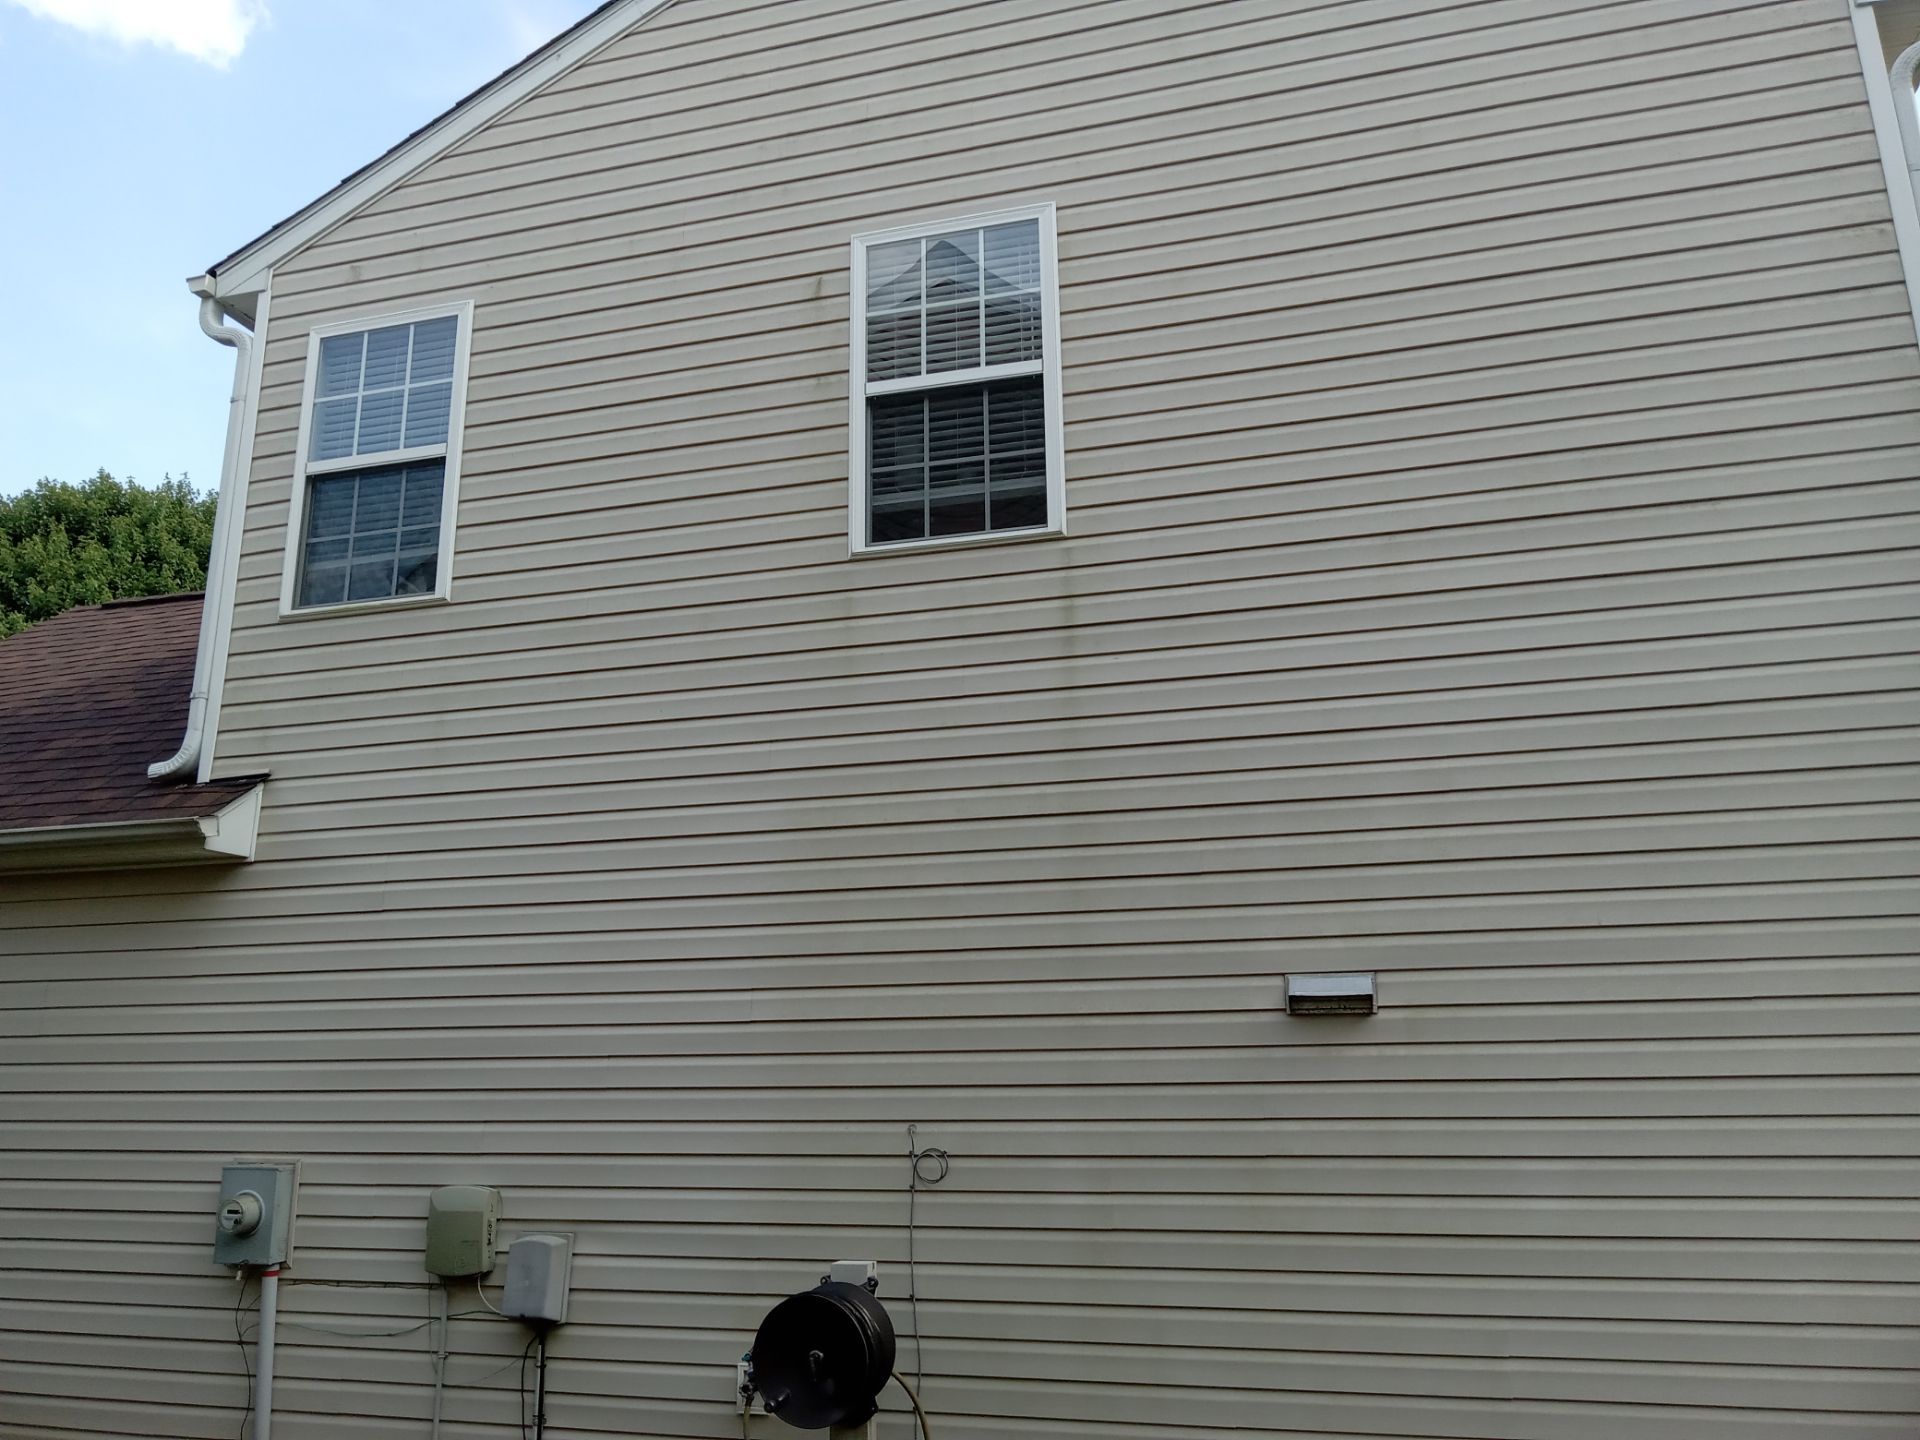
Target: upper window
[373, 500]
[956, 383]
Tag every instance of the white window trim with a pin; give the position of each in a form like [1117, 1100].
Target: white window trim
[304, 470]
[859, 388]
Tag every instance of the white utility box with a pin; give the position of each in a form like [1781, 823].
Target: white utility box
[539, 1274]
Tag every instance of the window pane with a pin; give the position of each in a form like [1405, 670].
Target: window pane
[423, 486]
[953, 337]
[433, 345]
[1017, 455]
[340, 364]
[896, 432]
[957, 499]
[418, 574]
[953, 267]
[333, 422]
[893, 275]
[371, 580]
[954, 302]
[427, 411]
[323, 585]
[1016, 416]
[379, 507]
[898, 519]
[386, 357]
[1011, 254]
[893, 345]
[1013, 329]
[956, 423]
[330, 507]
[385, 389]
[959, 460]
[355, 547]
[1017, 509]
[380, 422]
[328, 552]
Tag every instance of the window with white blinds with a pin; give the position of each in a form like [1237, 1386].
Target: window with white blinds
[379, 449]
[956, 383]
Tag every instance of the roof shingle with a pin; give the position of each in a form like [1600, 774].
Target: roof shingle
[88, 700]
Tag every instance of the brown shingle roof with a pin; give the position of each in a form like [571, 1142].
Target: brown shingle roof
[88, 700]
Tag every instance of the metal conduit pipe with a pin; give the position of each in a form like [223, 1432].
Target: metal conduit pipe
[187, 757]
[263, 1357]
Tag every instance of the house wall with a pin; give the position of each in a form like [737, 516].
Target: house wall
[1492, 434]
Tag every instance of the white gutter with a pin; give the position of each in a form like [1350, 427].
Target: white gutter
[187, 757]
[227, 835]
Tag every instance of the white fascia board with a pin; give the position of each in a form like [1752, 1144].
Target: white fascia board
[245, 274]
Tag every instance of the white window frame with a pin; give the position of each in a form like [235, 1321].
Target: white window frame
[306, 470]
[860, 389]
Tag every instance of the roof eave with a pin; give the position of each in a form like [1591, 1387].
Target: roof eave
[226, 836]
[243, 274]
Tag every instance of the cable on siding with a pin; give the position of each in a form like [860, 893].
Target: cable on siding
[240, 1339]
[924, 1167]
[926, 1430]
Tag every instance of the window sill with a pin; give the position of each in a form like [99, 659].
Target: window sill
[363, 607]
[955, 542]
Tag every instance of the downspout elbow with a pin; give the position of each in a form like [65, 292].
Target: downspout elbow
[1901, 76]
[187, 757]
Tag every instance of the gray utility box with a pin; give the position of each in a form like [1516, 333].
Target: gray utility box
[253, 1223]
[461, 1222]
[539, 1273]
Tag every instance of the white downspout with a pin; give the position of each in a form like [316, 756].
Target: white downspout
[187, 757]
[1896, 128]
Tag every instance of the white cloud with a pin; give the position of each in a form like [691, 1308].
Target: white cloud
[211, 30]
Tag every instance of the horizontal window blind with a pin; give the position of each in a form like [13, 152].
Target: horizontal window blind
[958, 461]
[386, 389]
[372, 534]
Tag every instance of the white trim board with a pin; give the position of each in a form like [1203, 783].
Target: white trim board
[244, 273]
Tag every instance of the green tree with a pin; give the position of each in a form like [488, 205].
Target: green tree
[63, 545]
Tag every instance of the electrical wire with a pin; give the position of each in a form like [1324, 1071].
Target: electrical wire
[246, 1360]
[414, 1329]
[481, 1291]
[523, 1384]
[937, 1166]
[926, 1430]
[240, 1308]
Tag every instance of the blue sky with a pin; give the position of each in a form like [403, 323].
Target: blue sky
[141, 140]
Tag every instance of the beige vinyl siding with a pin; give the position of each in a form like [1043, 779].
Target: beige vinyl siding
[1492, 433]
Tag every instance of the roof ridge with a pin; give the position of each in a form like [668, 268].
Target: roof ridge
[170, 598]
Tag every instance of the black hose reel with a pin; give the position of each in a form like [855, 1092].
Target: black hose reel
[822, 1357]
